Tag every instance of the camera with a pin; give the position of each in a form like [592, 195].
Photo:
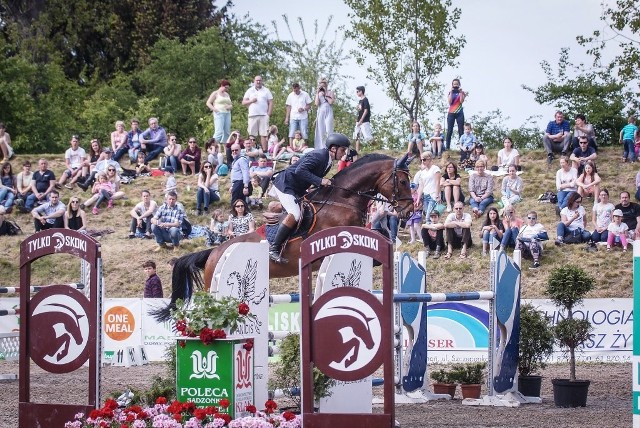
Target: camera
[455, 89]
[321, 89]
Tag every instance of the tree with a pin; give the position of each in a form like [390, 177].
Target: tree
[490, 129]
[411, 42]
[592, 92]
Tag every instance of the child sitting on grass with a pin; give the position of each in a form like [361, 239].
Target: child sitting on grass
[142, 167]
[217, 229]
[171, 184]
[104, 188]
[617, 231]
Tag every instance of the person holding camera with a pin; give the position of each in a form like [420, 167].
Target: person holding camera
[456, 113]
[324, 100]
[349, 157]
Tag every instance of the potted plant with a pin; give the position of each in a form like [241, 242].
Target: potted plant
[442, 383]
[208, 317]
[567, 286]
[536, 344]
[470, 377]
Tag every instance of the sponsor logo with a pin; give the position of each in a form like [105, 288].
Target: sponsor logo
[204, 367]
[60, 240]
[347, 240]
[119, 323]
[243, 364]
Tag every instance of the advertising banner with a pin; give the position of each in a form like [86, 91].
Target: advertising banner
[122, 326]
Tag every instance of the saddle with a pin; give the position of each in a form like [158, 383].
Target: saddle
[274, 215]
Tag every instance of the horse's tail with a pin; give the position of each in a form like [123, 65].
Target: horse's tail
[187, 276]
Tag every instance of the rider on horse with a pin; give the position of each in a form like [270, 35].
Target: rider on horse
[293, 182]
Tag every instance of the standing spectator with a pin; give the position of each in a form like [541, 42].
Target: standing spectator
[468, 143]
[589, 181]
[582, 154]
[190, 157]
[417, 140]
[628, 135]
[455, 113]
[480, 189]
[8, 189]
[491, 228]
[601, 217]
[428, 181]
[324, 100]
[566, 178]
[74, 217]
[5, 144]
[507, 156]
[50, 214]
[141, 216]
[153, 140]
[571, 226]
[23, 183]
[297, 105]
[583, 129]
[363, 123]
[74, 159]
[262, 173]
[172, 152]
[458, 231]
[167, 222]
[530, 237]
[433, 235]
[133, 140]
[414, 222]
[42, 184]
[241, 186]
[511, 188]
[557, 136]
[219, 102]
[208, 190]
[437, 141]
[153, 285]
[241, 220]
[630, 214]
[260, 102]
[119, 141]
[617, 232]
[450, 183]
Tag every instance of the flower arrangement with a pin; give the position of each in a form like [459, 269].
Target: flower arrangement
[182, 415]
[208, 317]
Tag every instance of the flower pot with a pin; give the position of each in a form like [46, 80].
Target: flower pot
[445, 388]
[470, 390]
[530, 386]
[570, 394]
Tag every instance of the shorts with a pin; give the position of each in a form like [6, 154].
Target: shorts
[258, 125]
[365, 128]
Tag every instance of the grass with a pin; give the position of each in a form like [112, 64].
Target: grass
[122, 257]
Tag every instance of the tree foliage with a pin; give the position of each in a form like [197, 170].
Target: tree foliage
[409, 42]
[589, 91]
[491, 129]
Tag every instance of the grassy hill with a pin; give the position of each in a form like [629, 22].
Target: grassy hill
[122, 257]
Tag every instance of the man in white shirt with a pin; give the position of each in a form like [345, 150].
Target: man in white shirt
[260, 103]
[74, 157]
[297, 117]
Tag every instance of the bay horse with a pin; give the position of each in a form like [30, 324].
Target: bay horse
[343, 203]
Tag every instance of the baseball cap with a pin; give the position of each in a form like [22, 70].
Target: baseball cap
[617, 213]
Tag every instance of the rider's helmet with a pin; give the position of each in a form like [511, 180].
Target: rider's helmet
[337, 139]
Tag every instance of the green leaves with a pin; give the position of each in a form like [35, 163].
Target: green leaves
[567, 286]
[536, 340]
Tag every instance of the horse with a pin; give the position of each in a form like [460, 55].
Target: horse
[343, 203]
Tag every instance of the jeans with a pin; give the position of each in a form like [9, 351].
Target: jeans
[172, 161]
[563, 197]
[563, 231]
[392, 220]
[104, 196]
[32, 200]
[206, 197]
[298, 124]
[7, 196]
[133, 154]
[629, 150]
[551, 146]
[599, 236]
[509, 237]
[451, 119]
[482, 205]
[164, 235]
[153, 151]
[120, 152]
[487, 236]
[222, 126]
[428, 204]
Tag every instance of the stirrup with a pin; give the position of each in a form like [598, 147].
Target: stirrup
[276, 257]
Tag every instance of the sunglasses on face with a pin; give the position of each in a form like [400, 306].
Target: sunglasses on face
[74, 202]
[457, 209]
[239, 206]
[110, 169]
[207, 167]
[532, 218]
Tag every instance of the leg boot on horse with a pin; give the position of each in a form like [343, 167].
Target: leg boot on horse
[284, 230]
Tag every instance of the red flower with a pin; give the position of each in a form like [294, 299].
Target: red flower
[182, 343]
[95, 414]
[224, 403]
[134, 409]
[288, 416]
[161, 400]
[270, 404]
[200, 414]
[226, 418]
[211, 410]
[110, 404]
[248, 345]
[207, 335]
[177, 417]
[219, 334]
[175, 407]
[131, 417]
[189, 407]
[181, 325]
[243, 308]
[251, 408]
[143, 415]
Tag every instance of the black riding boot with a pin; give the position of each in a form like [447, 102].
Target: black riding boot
[284, 230]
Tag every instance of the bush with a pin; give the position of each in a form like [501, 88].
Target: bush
[536, 340]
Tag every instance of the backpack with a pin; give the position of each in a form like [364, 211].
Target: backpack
[548, 197]
[223, 170]
[10, 227]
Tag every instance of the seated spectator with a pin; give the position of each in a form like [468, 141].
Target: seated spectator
[582, 155]
[476, 154]
[262, 173]
[298, 145]
[208, 190]
[95, 154]
[23, 183]
[116, 194]
[601, 217]
[250, 149]
[167, 222]
[142, 166]
[8, 189]
[437, 140]
[480, 189]
[218, 228]
[628, 136]
[214, 156]
[275, 147]
[630, 214]
[74, 217]
[241, 220]
[119, 141]
[507, 156]
[450, 184]
[467, 143]
[153, 285]
[153, 140]
[50, 214]
[458, 231]
[171, 152]
[350, 156]
[617, 232]
[557, 137]
[43, 183]
[637, 186]
[512, 224]
[102, 165]
[433, 235]
[190, 157]
[295, 158]
[491, 228]
[384, 219]
[566, 178]
[589, 181]
[529, 239]
[170, 185]
[512, 187]
[133, 141]
[583, 129]
[104, 190]
[416, 141]
[141, 216]
[571, 229]
[74, 159]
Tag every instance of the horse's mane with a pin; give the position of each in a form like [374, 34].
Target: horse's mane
[360, 163]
